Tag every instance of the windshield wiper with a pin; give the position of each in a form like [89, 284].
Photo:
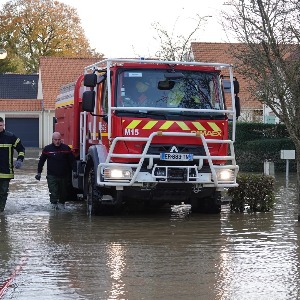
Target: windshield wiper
[142, 113]
[198, 115]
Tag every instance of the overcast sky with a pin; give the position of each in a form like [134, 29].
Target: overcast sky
[119, 28]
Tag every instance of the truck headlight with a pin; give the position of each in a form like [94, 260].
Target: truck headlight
[225, 175]
[115, 173]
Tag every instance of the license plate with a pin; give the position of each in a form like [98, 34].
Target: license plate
[176, 156]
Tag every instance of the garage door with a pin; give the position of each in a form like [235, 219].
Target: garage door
[26, 129]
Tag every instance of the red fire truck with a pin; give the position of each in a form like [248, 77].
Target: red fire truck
[150, 133]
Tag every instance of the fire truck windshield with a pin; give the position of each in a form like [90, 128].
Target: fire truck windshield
[154, 88]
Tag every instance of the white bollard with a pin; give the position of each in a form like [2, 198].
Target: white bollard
[269, 168]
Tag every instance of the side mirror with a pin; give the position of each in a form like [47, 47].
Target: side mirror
[90, 80]
[237, 106]
[88, 101]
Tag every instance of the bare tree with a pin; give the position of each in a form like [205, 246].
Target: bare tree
[176, 47]
[270, 31]
[33, 28]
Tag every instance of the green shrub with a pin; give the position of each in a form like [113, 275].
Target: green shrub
[255, 192]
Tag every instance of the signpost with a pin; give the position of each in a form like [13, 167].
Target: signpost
[287, 155]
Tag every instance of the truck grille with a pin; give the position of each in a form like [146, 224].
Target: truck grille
[177, 174]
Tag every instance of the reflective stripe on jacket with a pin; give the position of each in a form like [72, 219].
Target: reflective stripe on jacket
[8, 143]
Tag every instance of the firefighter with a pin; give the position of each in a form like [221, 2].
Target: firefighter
[60, 161]
[143, 90]
[180, 96]
[8, 143]
[176, 95]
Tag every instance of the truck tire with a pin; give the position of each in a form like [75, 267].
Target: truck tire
[93, 194]
[208, 205]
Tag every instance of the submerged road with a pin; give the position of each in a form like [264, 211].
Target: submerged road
[47, 254]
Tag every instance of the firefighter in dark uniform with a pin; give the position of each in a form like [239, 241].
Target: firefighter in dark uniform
[8, 143]
[60, 161]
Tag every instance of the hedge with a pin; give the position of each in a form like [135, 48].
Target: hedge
[257, 142]
[254, 193]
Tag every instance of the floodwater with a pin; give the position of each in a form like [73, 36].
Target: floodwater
[46, 254]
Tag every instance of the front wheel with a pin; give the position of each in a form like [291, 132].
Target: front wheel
[208, 205]
[93, 194]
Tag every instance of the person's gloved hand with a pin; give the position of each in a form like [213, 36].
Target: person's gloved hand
[38, 176]
[18, 164]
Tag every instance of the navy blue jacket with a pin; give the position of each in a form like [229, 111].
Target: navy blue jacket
[60, 160]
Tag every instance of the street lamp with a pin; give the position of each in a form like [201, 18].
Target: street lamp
[3, 53]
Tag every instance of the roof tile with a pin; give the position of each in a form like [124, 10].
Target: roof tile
[20, 105]
[58, 71]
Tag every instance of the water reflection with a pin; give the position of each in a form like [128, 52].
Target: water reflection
[260, 252]
[170, 255]
[116, 262]
[137, 257]
[5, 249]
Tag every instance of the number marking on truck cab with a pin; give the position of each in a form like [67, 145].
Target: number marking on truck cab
[131, 131]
